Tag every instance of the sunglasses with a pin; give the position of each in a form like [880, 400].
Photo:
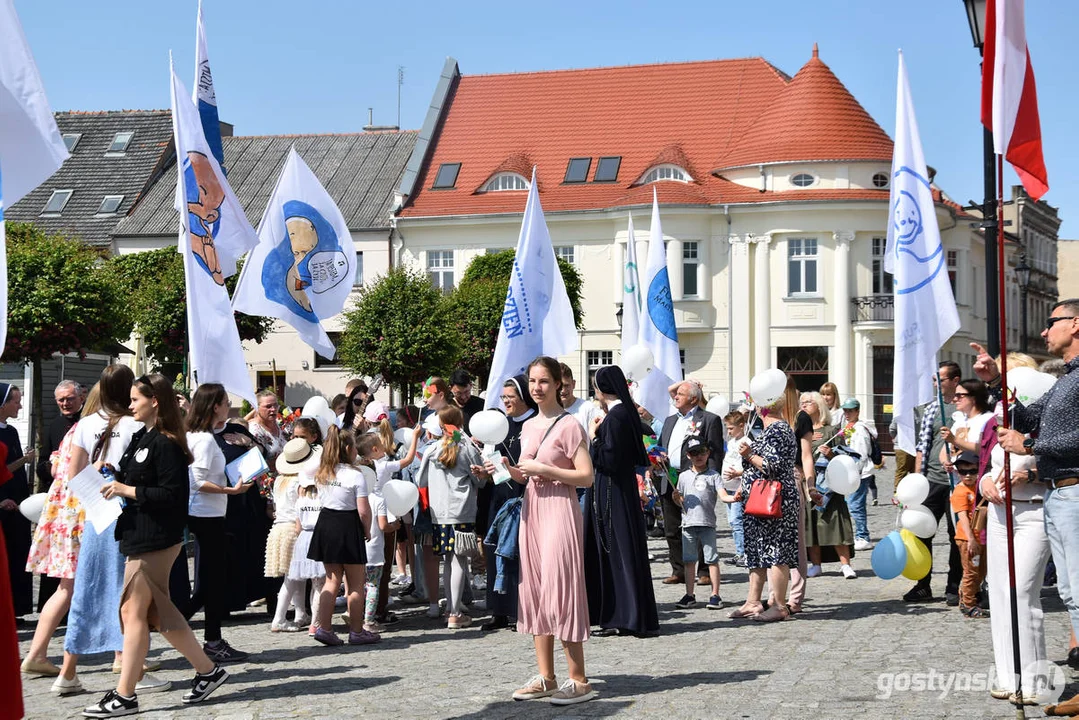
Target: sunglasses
[959, 394]
[1053, 320]
[967, 472]
[357, 402]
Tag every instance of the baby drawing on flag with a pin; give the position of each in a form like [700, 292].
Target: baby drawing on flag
[204, 196]
[309, 259]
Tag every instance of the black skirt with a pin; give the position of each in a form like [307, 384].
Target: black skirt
[338, 538]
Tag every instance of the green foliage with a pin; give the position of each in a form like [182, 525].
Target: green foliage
[401, 327]
[498, 266]
[59, 297]
[153, 284]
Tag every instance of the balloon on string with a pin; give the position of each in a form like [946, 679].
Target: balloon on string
[318, 409]
[403, 435]
[400, 496]
[919, 560]
[490, 427]
[718, 405]
[1028, 384]
[767, 387]
[889, 556]
[369, 477]
[842, 474]
[32, 506]
[919, 520]
[913, 489]
[637, 362]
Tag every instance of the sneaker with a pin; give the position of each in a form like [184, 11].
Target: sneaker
[203, 685]
[715, 603]
[863, 544]
[400, 580]
[222, 652]
[363, 637]
[572, 692]
[62, 686]
[288, 627]
[434, 611]
[951, 599]
[919, 593]
[412, 599]
[537, 687]
[458, 622]
[848, 572]
[875, 503]
[374, 627]
[327, 638]
[152, 684]
[409, 589]
[732, 560]
[813, 571]
[113, 705]
[686, 602]
[301, 620]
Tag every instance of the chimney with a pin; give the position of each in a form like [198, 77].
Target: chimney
[371, 127]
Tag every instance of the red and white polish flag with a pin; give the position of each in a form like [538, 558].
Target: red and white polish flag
[1009, 97]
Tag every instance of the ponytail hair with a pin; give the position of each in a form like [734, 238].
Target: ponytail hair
[451, 420]
[385, 433]
[335, 452]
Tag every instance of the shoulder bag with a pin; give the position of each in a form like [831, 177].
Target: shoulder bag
[765, 498]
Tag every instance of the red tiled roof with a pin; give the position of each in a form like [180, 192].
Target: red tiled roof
[695, 114]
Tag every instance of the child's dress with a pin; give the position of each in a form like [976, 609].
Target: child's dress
[301, 567]
[282, 538]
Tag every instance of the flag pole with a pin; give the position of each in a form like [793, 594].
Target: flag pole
[1017, 667]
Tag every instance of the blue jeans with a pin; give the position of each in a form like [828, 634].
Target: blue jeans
[734, 518]
[1062, 526]
[856, 505]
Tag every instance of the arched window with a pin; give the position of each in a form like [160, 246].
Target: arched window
[880, 180]
[802, 180]
[505, 181]
[666, 172]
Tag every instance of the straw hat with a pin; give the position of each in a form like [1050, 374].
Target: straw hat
[297, 453]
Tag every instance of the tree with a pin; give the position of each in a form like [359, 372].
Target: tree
[400, 327]
[479, 299]
[152, 283]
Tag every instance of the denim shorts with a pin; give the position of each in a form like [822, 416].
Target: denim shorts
[699, 536]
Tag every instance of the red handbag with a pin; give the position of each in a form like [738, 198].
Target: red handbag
[765, 499]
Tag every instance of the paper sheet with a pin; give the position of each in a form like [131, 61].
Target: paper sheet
[86, 486]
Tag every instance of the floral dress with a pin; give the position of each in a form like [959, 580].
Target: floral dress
[773, 541]
[55, 548]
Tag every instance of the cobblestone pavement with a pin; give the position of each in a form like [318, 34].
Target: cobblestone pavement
[855, 641]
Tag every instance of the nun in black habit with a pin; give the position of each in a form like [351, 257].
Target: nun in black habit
[618, 578]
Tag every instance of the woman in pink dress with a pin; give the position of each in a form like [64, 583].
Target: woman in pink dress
[553, 604]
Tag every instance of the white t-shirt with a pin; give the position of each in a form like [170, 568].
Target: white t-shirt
[384, 470]
[343, 490]
[584, 411]
[208, 467]
[376, 546]
[90, 429]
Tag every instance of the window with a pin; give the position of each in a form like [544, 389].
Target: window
[881, 180]
[321, 362]
[596, 360]
[440, 269]
[267, 380]
[666, 172]
[953, 267]
[882, 281]
[577, 170]
[807, 365]
[57, 201]
[802, 180]
[607, 169]
[505, 181]
[71, 140]
[447, 175]
[690, 262]
[565, 252]
[110, 204]
[682, 360]
[357, 281]
[802, 266]
[120, 143]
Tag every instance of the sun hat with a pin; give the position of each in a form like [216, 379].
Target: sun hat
[297, 453]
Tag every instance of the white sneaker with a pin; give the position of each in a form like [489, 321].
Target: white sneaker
[151, 684]
[862, 544]
[61, 686]
[813, 571]
[434, 611]
[848, 572]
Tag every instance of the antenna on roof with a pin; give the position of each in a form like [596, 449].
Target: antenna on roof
[400, 82]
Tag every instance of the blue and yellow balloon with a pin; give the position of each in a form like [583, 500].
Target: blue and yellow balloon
[889, 556]
[919, 560]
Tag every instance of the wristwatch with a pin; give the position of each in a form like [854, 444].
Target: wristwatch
[1029, 445]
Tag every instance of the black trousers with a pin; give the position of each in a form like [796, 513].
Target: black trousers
[211, 574]
[939, 503]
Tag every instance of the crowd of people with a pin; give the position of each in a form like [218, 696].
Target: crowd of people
[552, 530]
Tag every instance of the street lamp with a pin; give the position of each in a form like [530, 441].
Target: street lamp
[618, 316]
[1022, 274]
[976, 19]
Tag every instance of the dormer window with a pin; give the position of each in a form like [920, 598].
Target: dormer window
[505, 181]
[120, 143]
[802, 180]
[666, 172]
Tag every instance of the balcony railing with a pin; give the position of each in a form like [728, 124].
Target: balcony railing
[873, 308]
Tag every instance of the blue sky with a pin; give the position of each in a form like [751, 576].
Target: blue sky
[317, 66]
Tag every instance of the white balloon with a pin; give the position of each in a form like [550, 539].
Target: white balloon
[842, 474]
[912, 490]
[919, 520]
[767, 387]
[637, 362]
[400, 496]
[489, 427]
[32, 506]
[403, 435]
[369, 477]
[718, 405]
[318, 409]
[1028, 384]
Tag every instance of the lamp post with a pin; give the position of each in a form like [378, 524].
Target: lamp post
[1022, 274]
[976, 19]
[618, 316]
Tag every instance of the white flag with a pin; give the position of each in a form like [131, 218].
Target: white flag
[658, 330]
[537, 318]
[212, 223]
[203, 93]
[31, 148]
[925, 314]
[303, 267]
[631, 293]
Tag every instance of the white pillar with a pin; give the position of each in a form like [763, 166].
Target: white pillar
[839, 373]
[740, 314]
[675, 268]
[762, 308]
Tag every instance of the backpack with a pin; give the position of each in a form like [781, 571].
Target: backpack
[875, 455]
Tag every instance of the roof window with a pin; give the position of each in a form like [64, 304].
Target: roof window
[71, 140]
[577, 170]
[505, 181]
[110, 204]
[120, 143]
[57, 201]
[607, 169]
[802, 180]
[666, 172]
[881, 180]
[447, 176]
